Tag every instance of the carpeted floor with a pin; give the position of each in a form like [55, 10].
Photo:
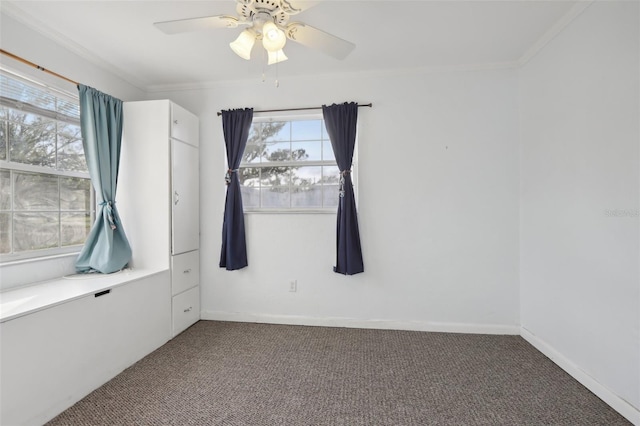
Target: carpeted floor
[237, 374]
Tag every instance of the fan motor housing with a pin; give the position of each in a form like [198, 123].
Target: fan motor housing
[255, 10]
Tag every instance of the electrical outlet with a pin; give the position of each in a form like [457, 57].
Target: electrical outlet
[293, 286]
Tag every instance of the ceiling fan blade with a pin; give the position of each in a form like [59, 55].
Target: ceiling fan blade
[196, 24]
[318, 39]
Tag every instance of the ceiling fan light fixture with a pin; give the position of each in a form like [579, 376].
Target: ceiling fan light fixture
[273, 38]
[275, 57]
[243, 44]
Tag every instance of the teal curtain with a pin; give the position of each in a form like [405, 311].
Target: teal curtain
[107, 248]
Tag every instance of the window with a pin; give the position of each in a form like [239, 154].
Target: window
[288, 165]
[46, 198]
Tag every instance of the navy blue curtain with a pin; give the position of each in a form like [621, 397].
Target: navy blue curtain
[235, 125]
[340, 121]
[107, 248]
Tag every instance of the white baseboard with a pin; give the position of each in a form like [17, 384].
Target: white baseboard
[620, 405]
[359, 323]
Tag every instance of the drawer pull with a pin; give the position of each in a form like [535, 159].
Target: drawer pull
[175, 121]
[187, 271]
[102, 293]
[188, 309]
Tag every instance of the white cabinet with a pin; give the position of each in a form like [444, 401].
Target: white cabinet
[185, 232]
[158, 197]
[53, 357]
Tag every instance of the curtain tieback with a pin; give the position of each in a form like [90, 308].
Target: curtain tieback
[342, 174]
[110, 216]
[227, 176]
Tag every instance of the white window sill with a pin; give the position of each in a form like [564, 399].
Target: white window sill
[24, 300]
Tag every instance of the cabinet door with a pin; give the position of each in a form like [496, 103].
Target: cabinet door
[185, 218]
[184, 125]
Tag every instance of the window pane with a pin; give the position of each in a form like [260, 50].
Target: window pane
[250, 196]
[250, 187]
[35, 231]
[70, 149]
[249, 176]
[277, 151]
[330, 174]
[75, 228]
[306, 130]
[35, 192]
[254, 133]
[252, 153]
[305, 176]
[310, 151]
[275, 197]
[3, 140]
[5, 233]
[307, 196]
[276, 131]
[32, 139]
[75, 194]
[275, 176]
[325, 135]
[327, 151]
[294, 185]
[5, 190]
[330, 196]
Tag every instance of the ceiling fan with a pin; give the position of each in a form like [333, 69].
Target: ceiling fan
[266, 20]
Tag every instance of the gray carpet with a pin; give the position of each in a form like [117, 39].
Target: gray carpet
[237, 374]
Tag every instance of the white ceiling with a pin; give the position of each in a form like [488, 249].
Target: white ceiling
[389, 35]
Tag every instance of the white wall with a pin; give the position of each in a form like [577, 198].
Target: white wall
[580, 298]
[438, 207]
[27, 43]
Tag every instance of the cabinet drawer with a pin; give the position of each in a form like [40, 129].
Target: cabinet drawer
[186, 309]
[185, 271]
[184, 125]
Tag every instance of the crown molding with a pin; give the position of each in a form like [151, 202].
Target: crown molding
[42, 28]
[555, 29]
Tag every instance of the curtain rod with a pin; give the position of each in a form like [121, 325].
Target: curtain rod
[24, 61]
[370, 105]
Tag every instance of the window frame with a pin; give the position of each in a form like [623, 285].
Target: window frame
[17, 167]
[288, 117]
